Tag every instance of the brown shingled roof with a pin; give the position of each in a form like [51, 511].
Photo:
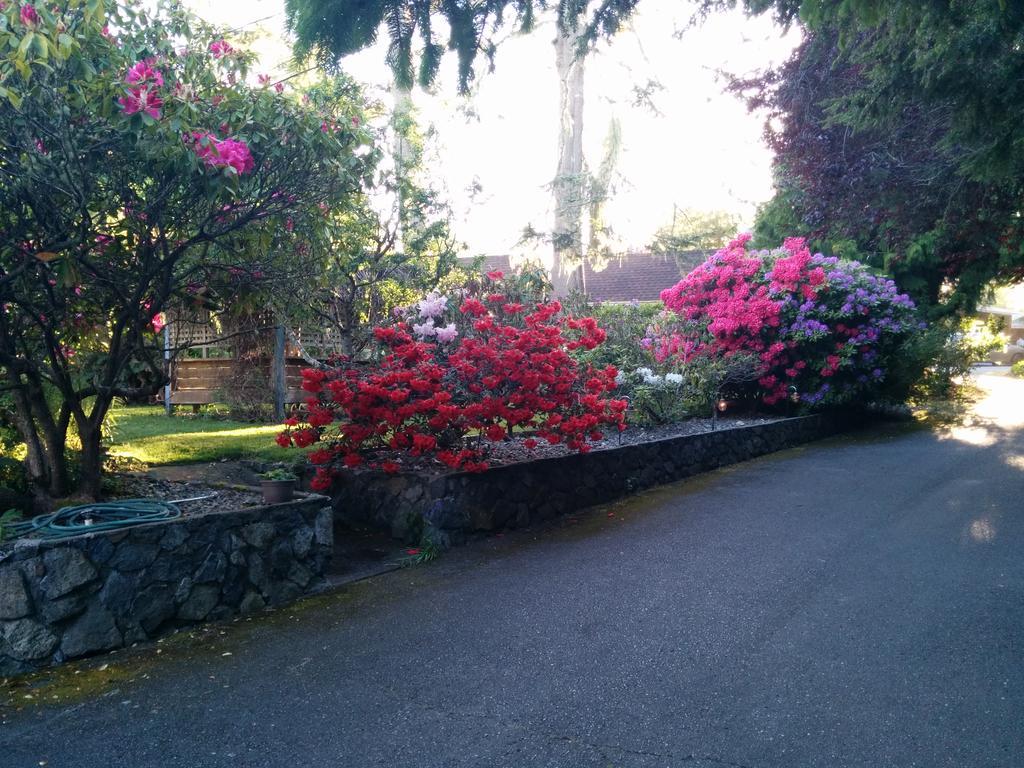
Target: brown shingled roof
[641, 276]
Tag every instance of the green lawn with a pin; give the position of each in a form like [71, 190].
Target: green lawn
[145, 433]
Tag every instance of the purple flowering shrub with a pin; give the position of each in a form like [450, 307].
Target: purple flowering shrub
[847, 335]
[820, 328]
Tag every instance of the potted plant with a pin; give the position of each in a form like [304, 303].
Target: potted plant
[278, 486]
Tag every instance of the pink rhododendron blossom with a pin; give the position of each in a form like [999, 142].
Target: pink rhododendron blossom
[29, 16]
[425, 329]
[223, 153]
[813, 326]
[143, 81]
[143, 72]
[141, 100]
[433, 305]
[220, 48]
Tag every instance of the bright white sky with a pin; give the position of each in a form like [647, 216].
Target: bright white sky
[703, 151]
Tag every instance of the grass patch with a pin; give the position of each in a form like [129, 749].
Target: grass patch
[949, 410]
[145, 433]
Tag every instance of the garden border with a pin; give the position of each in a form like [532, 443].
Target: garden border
[452, 505]
[65, 598]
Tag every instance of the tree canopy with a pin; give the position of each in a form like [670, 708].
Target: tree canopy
[898, 139]
[330, 29]
[138, 171]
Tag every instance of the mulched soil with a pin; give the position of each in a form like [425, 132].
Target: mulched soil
[193, 498]
[513, 451]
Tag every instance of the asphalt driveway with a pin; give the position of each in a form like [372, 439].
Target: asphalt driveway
[856, 602]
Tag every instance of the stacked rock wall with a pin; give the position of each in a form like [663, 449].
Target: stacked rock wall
[516, 495]
[73, 597]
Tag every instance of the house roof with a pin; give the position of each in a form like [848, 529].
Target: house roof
[998, 311]
[638, 275]
[491, 262]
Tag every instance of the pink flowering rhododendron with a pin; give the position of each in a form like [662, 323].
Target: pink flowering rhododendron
[220, 48]
[142, 100]
[223, 153]
[446, 334]
[142, 81]
[29, 16]
[819, 327]
[143, 72]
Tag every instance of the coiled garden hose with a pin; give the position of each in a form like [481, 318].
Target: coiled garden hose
[91, 518]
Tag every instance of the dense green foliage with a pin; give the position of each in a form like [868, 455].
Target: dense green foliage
[898, 137]
[139, 171]
[329, 29]
[387, 252]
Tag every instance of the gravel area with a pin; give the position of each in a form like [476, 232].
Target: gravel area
[513, 451]
[207, 498]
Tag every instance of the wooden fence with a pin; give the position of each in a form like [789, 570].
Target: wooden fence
[203, 366]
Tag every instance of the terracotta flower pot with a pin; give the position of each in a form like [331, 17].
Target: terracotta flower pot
[277, 491]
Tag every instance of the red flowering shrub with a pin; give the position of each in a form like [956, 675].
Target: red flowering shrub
[492, 368]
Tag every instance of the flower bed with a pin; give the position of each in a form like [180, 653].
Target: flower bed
[504, 362]
[450, 505]
[60, 599]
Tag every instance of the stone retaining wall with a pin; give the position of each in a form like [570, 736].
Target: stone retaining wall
[91, 593]
[454, 504]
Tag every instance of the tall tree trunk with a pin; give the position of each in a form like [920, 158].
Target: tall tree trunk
[402, 113]
[567, 234]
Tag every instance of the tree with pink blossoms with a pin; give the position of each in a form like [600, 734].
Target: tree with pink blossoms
[138, 168]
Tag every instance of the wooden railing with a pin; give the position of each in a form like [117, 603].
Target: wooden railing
[200, 382]
[205, 379]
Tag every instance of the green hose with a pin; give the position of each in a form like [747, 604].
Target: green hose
[92, 518]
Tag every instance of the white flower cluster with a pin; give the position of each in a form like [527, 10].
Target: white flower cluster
[433, 306]
[652, 379]
[427, 329]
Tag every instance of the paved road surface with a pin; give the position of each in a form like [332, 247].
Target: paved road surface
[858, 602]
